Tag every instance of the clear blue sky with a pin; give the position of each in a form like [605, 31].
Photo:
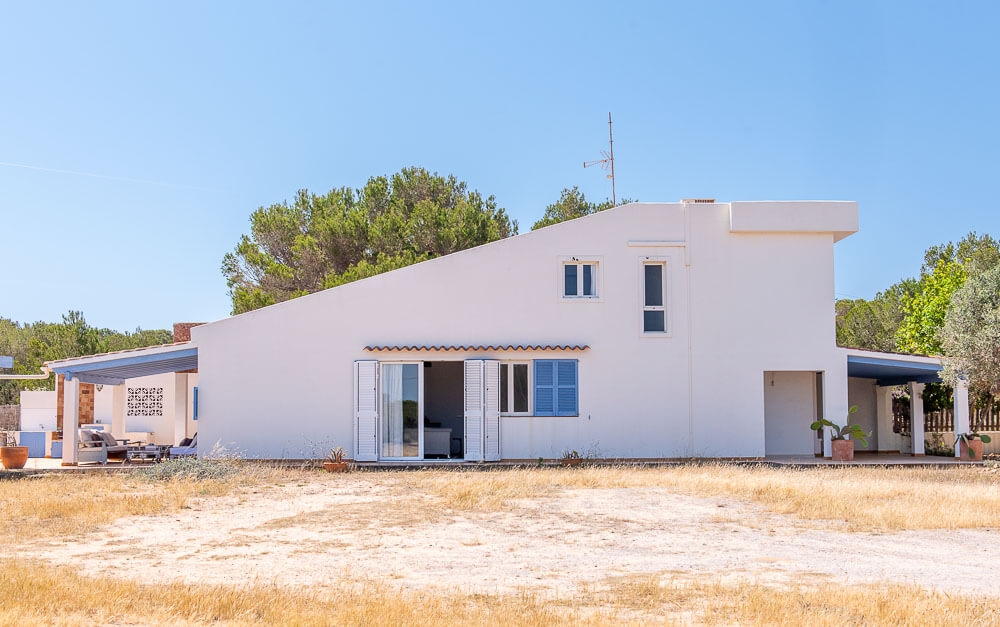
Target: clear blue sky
[136, 138]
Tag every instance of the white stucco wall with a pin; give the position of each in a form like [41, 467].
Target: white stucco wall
[861, 393]
[275, 381]
[38, 410]
[789, 409]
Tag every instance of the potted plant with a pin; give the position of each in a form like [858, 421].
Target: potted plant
[571, 458]
[842, 437]
[970, 445]
[11, 455]
[334, 461]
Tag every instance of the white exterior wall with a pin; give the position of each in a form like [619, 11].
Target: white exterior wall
[862, 393]
[277, 382]
[38, 410]
[162, 427]
[789, 409]
[104, 404]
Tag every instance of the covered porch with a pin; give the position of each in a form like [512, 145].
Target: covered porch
[169, 400]
[872, 376]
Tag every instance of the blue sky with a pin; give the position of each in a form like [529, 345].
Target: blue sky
[137, 138]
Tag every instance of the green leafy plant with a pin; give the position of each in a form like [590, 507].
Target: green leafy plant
[336, 455]
[846, 432]
[974, 434]
[571, 455]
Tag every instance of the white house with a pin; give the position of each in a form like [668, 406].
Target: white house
[647, 331]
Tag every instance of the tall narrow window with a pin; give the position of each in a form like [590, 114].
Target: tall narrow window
[580, 279]
[654, 311]
[514, 388]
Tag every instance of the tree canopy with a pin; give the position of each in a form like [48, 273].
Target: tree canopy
[33, 344]
[971, 334]
[572, 204]
[321, 241]
[909, 315]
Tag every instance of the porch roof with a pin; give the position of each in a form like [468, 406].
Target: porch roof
[115, 368]
[892, 368]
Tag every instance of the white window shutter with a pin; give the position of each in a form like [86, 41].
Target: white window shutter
[491, 410]
[366, 411]
[474, 409]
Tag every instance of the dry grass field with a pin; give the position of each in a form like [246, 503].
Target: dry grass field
[236, 543]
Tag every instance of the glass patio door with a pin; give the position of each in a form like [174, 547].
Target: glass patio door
[401, 426]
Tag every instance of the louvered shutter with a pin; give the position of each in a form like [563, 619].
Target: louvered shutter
[474, 410]
[566, 388]
[545, 387]
[366, 411]
[491, 410]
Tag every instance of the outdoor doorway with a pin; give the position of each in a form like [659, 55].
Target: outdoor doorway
[443, 415]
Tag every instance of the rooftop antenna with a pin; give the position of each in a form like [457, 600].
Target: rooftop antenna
[608, 162]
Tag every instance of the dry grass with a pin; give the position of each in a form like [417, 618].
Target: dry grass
[863, 498]
[867, 498]
[40, 594]
[61, 505]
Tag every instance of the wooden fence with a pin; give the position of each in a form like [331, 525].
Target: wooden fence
[10, 417]
[943, 421]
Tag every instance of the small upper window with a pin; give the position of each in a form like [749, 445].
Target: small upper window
[654, 310]
[580, 279]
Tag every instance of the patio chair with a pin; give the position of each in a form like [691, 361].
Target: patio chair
[99, 446]
[188, 447]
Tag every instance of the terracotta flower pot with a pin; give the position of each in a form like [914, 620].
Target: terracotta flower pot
[14, 457]
[970, 450]
[335, 466]
[843, 450]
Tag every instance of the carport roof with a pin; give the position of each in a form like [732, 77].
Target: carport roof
[892, 368]
[114, 368]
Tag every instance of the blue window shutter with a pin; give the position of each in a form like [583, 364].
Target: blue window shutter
[566, 388]
[194, 403]
[545, 387]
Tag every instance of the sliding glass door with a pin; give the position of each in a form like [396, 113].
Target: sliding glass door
[402, 392]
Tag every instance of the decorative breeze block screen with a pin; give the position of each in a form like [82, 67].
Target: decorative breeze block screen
[145, 402]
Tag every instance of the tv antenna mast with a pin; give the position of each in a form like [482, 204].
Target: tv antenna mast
[608, 162]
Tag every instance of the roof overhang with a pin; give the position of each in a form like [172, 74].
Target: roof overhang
[490, 348]
[893, 369]
[115, 368]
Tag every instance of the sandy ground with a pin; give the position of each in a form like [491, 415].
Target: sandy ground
[329, 527]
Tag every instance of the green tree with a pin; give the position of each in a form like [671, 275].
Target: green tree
[572, 204]
[33, 344]
[971, 334]
[924, 311]
[322, 241]
[872, 324]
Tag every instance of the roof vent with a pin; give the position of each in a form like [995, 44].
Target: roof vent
[699, 201]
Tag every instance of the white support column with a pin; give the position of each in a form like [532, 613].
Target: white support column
[71, 420]
[180, 407]
[887, 440]
[917, 418]
[962, 424]
[118, 426]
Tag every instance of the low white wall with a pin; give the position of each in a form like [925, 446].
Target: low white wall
[38, 411]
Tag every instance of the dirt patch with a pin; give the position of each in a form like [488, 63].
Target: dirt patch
[370, 525]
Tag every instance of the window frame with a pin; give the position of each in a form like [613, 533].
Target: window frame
[579, 261]
[529, 365]
[664, 262]
[556, 385]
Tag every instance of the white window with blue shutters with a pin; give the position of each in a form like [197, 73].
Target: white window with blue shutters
[556, 387]
[580, 278]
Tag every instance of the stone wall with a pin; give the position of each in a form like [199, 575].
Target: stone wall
[10, 417]
[86, 405]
